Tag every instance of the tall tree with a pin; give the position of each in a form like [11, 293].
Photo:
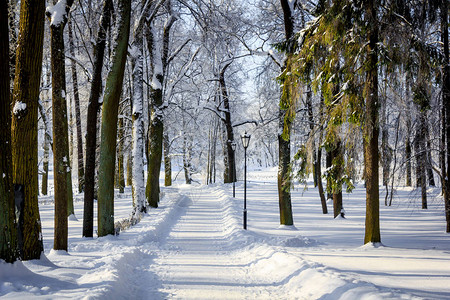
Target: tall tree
[24, 124]
[159, 62]
[284, 144]
[92, 116]
[113, 91]
[7, 215]
[371, 156]
[137, 115]
[446, 101]
[58, 18]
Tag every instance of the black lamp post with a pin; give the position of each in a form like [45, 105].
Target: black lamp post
[245, 141]
[233, 147]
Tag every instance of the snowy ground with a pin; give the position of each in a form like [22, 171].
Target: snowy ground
[193, 247]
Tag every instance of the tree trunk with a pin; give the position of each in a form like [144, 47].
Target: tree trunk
[311, 134]
[318, 170]
[186, 162]
[47, 138]
[61, 159]
[120, 180]
[284, 144]
[446, 103]
[421, 159]
[372, 226]
[138, 181]
[228, 157]
[110, 110]
[430, 175]
[91, 128]
[167, 161]
[76, 98]
[156, 126]
[8, 251]
[24, 124]
[338, 161]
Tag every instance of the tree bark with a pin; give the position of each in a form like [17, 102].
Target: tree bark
[120, 157]
[138, 181]
[284, 144]
[338, 160]
[229, 158]
[92, 117]
[167, 161]
[61, 159]
[113, 91]
[446, 103]
[24, 123]
[8, 251]
[76, 98]
[372, 226]
[156, 126]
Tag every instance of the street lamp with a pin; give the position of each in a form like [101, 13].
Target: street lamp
[245, 141]
[233, 147]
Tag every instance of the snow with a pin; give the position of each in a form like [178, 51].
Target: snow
[57, 12]
[193, 247]
[19, 106]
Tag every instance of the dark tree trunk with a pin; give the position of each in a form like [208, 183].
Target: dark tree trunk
[229, 158]
[167, 161]
[284, 144]
[120, 180]
[92, 117]
[446, 102]
[156, 126]
[8, 251]
[61, 160]
[430, 175]
[372, 227]
[110, 111]
[338, 160]
[24, 124]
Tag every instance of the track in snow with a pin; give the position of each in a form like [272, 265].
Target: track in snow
[197, 262]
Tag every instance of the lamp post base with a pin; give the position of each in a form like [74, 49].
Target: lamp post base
[245, 219]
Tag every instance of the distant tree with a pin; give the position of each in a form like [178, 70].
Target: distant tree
[24, 124]
[7, 211]
[113, 91]
[76, 99]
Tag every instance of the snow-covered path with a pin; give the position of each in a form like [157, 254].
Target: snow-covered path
[198, 261]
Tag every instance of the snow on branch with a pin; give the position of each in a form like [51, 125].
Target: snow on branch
[237, 124]
[214, 110]
[58, 12]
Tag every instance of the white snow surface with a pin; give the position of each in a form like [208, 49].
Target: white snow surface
[193, 247]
